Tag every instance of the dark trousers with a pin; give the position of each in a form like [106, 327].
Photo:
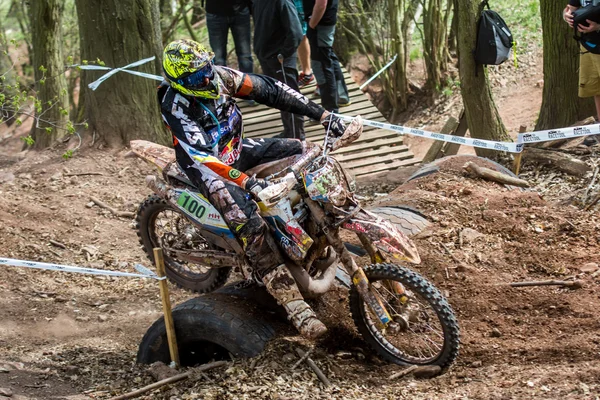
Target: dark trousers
[321, 50]
[218, 29]
[293, 124]
[236, 206]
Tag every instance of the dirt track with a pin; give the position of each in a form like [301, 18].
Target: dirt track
[77, 335]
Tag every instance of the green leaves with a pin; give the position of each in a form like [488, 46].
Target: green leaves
[28, 140]
[67, 154]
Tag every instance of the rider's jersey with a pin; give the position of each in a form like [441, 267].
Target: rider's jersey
[208, 133]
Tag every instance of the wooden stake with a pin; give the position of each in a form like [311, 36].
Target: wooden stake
[166, 381]
[166, 303]
[519, 156]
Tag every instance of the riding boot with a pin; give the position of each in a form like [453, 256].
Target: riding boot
[281, 285]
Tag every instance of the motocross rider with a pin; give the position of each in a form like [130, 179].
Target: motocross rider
[197, 106]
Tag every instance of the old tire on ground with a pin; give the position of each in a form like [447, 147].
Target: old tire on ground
[145, 220]
[428, 293]
[211, 326]
[408, 220]
[439, 165]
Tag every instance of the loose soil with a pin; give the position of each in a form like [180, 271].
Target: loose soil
[66, 336]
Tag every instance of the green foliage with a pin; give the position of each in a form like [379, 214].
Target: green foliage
[524, 20]
[68, 154]
[28, 140]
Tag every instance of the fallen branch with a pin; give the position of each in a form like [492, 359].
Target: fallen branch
[495, 176]
[101, 204]
[315, 369]
[593, 202]
[167, 381]
[58, 244]
[561, 161]
[402, 373]
[569, 284]
[302, 359]
[84, 173]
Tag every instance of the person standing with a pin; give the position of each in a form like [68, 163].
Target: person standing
[223, 15]
[277, 33]
[589, 63]
[321, 16]
[306, 74]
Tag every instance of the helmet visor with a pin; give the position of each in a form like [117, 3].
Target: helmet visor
[198, 79]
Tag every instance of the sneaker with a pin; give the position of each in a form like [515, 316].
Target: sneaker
[344, 103]
[305, 79]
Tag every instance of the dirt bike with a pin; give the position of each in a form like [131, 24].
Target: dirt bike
[401, 315]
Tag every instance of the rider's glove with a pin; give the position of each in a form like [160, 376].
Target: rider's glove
[335, 125]
[255, 186]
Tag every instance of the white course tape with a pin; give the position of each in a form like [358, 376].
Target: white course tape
[510, 147]
[146, 273]
[562, 133]
[94, 85]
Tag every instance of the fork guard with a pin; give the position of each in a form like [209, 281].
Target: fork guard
[384, 235]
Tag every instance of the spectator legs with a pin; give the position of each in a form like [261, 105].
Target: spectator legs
[218, 28]
[321, 42]
[293, 124]
[240, 29]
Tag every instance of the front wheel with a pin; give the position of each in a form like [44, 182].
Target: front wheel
[424, 330]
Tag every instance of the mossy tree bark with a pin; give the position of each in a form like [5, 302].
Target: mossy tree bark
[561, 105]
[119, 32]
[482, 115]
[52, 114]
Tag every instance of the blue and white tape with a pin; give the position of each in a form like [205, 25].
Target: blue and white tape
[94, 85]
[145, 272]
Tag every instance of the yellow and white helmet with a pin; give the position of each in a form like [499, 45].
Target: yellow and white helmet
[188, 66]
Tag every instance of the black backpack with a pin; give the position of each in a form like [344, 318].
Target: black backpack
[494, 39]
[589, 41]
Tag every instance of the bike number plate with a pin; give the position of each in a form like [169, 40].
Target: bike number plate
[194, 206]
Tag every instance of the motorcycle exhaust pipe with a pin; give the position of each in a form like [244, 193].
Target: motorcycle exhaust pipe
[309, 286]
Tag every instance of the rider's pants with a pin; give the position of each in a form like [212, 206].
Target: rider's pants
[237, 206]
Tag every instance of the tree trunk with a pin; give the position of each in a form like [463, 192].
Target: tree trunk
[400, 81]
[482, 115]
[436, 14]
[119, 32]
[560, 104]
[52, 113]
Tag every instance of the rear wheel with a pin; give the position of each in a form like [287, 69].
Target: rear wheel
[160, 225]
[424, 330]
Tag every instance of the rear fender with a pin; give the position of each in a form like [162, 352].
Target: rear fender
[384, 235]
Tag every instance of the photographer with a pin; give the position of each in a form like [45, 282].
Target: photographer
[589, 63]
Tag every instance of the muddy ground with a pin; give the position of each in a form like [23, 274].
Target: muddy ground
[65, 336]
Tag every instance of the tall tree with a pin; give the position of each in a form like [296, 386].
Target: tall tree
[482, 115]
[560, 104]
[436, 18]
[119, 32]
[52, 110]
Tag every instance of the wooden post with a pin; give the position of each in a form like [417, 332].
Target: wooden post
[166, 303]
[451, 149]
[434, 151]
[519, 156]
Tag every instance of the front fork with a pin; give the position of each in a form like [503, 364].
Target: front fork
[359, 279]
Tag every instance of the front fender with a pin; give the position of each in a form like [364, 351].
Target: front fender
[384, 235]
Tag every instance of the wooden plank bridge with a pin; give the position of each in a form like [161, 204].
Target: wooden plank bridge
[375, 152]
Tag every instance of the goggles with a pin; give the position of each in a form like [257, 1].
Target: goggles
[198, 79]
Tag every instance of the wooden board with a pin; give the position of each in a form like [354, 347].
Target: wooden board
[376, 151]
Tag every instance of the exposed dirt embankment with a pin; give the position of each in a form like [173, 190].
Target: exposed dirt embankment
[71, 334]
